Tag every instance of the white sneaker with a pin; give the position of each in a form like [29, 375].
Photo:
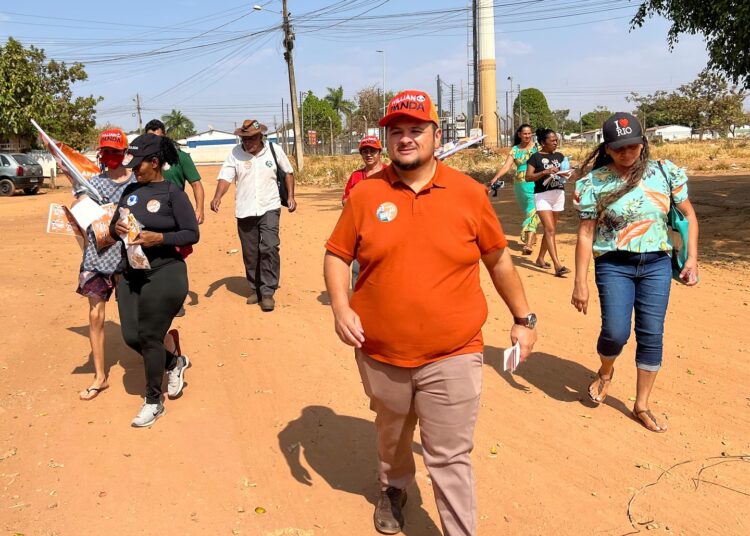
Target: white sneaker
[148, 414]
[176, 376]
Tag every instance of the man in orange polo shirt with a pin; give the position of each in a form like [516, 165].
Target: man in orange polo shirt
[419, 229]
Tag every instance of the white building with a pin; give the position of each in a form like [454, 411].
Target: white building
[668, 133]
[592, 136]
[211, 146]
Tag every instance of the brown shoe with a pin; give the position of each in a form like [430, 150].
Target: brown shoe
[252, 299]
[267, 303]
[388, 516]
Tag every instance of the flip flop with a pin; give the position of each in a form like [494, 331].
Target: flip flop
[527, 250]
[95, 390]
[637, 416]
[599, 388]
[544, 265]
[562, 271]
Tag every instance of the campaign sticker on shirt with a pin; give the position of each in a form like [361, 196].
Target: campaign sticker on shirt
[269, 163]
[387, 212]
[132, 200]
[153, 206]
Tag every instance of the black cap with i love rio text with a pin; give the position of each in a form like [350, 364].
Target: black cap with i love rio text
[622, 129]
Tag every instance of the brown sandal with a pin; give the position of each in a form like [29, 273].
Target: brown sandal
[637, 416]
[602, 383]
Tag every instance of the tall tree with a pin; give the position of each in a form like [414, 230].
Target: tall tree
[595, 118]
[532, 104]
[178, 125]
[658, 109]
[369, 108]
[725, 24]
[340, 105]
[318, 115]
[33, 87]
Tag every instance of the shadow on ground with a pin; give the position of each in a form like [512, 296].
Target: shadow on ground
[341, 450]
[115, 352]
[558, 378]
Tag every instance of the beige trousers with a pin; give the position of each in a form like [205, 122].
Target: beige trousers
[444, 398]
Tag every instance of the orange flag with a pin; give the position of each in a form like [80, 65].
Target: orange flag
[87, 168]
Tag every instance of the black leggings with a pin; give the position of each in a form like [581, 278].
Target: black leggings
[148, 301]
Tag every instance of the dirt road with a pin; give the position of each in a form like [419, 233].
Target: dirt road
[274, 416]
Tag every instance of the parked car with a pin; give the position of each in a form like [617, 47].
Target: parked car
[19, 172]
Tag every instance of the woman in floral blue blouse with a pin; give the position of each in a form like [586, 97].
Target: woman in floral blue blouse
[623, 204]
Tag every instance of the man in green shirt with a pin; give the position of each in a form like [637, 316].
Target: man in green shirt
[183, 172]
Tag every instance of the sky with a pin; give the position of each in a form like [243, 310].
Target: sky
[222, 62]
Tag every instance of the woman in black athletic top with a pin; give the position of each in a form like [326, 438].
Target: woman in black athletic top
[149, 299]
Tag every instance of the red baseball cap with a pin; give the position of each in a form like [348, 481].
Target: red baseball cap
[413, 104]
[370, 141]
[114, 138]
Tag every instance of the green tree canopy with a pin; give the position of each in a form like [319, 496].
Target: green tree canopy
[658, 109]
[369, 108]
[318, 115]
[725, 24]
[178, 125]
[32, 87]
[335, 98]
[595, 118]
[530, 106]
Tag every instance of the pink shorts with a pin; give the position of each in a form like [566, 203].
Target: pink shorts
[93, 285]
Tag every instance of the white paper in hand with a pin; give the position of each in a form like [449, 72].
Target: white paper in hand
[511, 358]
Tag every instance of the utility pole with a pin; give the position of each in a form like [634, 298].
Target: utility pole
[507, 118]
[288, 46]
[138, 111]
[520, 106]
[440, 108]
[330, 125]
[485, 17]
[512, 108]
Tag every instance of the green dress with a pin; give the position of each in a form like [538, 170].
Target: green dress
[524, 190]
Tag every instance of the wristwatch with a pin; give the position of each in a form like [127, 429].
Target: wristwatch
[528, 321]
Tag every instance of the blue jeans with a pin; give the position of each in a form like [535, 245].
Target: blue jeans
[633, 281]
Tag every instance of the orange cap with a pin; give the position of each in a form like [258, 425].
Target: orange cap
[113, 137]
[370, 141]
[413, 104]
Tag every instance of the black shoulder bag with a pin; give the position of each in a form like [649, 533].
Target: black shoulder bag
[280, 179]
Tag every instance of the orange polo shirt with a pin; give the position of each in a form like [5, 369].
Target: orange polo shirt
[418, 294]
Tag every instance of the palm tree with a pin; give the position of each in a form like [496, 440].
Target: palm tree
[337, 101]
[178, 125]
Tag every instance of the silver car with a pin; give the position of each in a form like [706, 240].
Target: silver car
[19, 172]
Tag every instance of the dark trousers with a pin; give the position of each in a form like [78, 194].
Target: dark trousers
[148, 301]
[259, 236]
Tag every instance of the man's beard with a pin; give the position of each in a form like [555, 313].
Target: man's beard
[404, 166]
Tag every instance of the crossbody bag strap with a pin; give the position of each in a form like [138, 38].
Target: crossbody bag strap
[273, 153]
[669, 184]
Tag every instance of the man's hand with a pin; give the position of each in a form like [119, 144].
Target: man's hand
[215, 204]
[148, 239]
[525, 337]
[292, 204]
[349, 327]
[199, 215]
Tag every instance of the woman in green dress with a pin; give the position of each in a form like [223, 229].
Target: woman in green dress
[523, 148]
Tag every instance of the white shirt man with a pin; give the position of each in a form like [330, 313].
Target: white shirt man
[252, 167]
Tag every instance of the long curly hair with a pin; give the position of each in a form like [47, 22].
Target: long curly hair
[635, 174]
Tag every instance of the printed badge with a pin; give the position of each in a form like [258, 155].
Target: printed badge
[153, 206]
[387, 212]
[132, 200]
[268, 164]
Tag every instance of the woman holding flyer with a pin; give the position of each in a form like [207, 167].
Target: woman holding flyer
[523, 148]
[157, 216]
[623, 205]
[101, 261]
[543, 169]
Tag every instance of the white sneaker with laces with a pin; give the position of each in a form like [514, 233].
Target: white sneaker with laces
[176, 376]
[148, 414]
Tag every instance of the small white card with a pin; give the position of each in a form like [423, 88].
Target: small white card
[511, 358]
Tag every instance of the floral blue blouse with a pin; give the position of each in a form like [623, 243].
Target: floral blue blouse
[636, 222]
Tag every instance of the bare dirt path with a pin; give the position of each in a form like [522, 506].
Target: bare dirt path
[274, 415]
